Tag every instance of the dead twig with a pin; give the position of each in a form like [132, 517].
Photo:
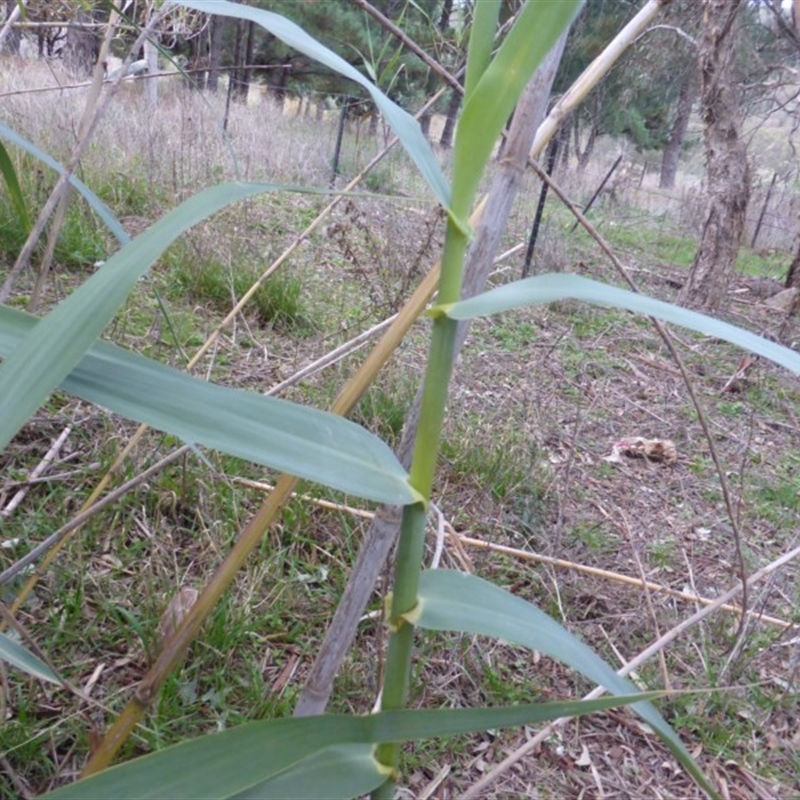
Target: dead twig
[460, 540]
[617, 577]
[409, 43]
[36, 473]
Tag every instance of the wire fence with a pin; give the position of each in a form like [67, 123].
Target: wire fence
[632, 195]
[772, 222]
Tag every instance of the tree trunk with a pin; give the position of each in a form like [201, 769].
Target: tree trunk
[672, 152]
[198, 63]
[793, 278]
[214, 54]
[151, 83]
[81, 48]
[585, 156]
[726, 159]
[430, 84]
[243, 57]
[564, 141]
[233, 75]
[450, 122]
[11, 41]
[279, 90]
[246, 75]
[425, 123]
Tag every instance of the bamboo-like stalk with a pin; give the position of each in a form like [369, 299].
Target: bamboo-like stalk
[383, 532]
[423, 467]
[441, 355]
[594, 73]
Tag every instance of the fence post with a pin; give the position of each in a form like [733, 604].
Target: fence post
[599, 189]
[763, 211]
[337, 150]
[537, 220]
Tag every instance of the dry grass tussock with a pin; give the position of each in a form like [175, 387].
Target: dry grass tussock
[540, 399]
[180, 145]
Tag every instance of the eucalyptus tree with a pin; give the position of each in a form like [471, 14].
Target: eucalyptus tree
[783, 23]
[727, 170]
[352, 35]
[649, 93]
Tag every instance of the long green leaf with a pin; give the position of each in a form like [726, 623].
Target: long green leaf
[99, 207]
[14, 190]
[51, 350]
[403, 124]
[481, 39]
[341, 771]
[16, 655]
[260, 754]
[302, 441]
[559, 286]
[456, 601]
[488, 107]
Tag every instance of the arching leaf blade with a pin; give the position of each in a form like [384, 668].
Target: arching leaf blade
[341, 771]
[548, 288]
[219, 765]
[488, 107]
[312, 444]
[14, 189]
[404, 125]
[237, 761]
[481, 41]
[51, 350]
[97, 205]
[456, 601]
[14, 653]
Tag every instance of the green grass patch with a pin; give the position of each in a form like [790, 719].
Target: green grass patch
[81, 242]
[655, 242]
[761, 264]
[494, 468]
[383, 409]
[130, 193]
[593, 537]
[278, 302]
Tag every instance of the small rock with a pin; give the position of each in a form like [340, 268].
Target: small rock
[785, 301]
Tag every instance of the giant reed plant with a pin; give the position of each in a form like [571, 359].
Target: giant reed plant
[333, 755]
